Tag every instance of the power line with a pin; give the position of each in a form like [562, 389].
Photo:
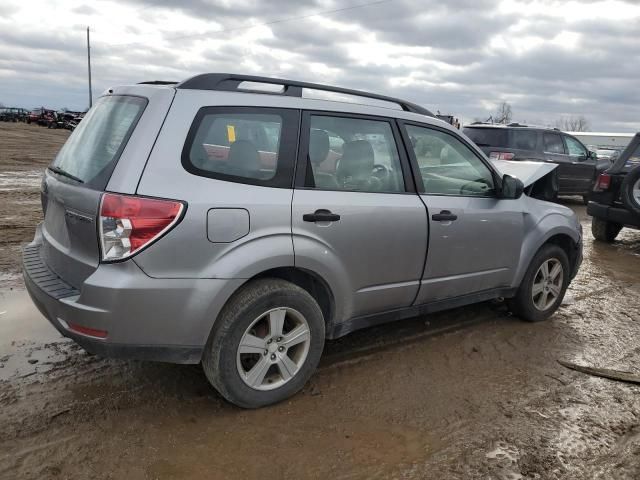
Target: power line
[272, 22]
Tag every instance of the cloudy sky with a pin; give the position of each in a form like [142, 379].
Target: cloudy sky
[547, 58]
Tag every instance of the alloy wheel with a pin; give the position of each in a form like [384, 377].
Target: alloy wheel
[547, 284]
[273, 348]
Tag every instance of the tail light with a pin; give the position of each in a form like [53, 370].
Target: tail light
[501, 156]
[90, 332]
[603, 183]
[128, 223]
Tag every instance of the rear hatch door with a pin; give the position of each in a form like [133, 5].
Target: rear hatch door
[73, 185]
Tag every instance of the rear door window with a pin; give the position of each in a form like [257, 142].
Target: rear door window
[524, 139]
[248, 145]
[93, 149]
[553, 143]
[353, 154]
[488, 137]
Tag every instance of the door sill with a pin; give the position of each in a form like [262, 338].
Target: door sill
[356, 323]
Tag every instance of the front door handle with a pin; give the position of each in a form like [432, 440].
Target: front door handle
[444, 216]
[321, 215]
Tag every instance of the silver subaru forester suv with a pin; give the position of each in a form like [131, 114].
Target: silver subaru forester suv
[240, 221]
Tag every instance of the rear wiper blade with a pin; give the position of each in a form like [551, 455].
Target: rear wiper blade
[483, 144]
[60, 171]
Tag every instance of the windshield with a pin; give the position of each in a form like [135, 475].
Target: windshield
[93, 149]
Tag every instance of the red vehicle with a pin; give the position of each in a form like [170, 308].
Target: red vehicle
[41, 116]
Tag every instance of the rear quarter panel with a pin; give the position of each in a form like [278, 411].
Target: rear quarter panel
[125, 176]
[186, 251]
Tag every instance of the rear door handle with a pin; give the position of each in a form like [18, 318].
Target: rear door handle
[321, 215]
[444, 216]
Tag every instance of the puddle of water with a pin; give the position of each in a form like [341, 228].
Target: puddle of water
[620, 259]
[19, 180]
[504, 460]
[24, 335]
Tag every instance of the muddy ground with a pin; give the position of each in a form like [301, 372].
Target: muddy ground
[25, 150]
[470, 393]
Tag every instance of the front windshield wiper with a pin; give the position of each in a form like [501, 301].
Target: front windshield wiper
[60, 171]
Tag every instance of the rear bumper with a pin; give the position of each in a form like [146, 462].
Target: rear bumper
[613, 214]
[145, 318]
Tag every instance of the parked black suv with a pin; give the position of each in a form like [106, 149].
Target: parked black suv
[577, 169]
[615, 200]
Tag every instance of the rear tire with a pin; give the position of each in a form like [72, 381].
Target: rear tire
[604, 231]
[251, 357]
[541, 293]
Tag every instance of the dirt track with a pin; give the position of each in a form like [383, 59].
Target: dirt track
[471, 393]
[25, 150]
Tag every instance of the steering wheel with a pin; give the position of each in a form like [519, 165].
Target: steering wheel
[482, 181]
[380, 172]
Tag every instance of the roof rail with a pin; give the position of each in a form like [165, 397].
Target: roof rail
[229, 82]
[157, 82]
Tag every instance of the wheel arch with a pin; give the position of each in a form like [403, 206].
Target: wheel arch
[567, 243]
[564, 236]
[309, 281]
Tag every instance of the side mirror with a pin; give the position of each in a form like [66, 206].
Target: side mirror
[512, 187]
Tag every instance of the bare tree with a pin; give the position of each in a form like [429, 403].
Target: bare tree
[504, 113]
[573, 123]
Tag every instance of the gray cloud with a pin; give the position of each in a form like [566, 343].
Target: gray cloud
[445, 55]
[85, 10]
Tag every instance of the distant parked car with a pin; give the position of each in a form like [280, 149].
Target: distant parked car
[35, 115]
[12, 114]
[578, 167]
[610, 154]
[615, 200]
[47, 117]
[72, 119]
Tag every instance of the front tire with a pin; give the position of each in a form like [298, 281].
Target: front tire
[604, 231]
[266, 343]
[543, 285]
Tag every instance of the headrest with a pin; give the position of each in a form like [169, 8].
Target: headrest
[357, 159]
[243, 154]
[318, 146]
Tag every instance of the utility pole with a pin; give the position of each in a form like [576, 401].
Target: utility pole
[89, 67]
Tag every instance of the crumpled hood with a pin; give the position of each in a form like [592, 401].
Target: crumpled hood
[528, 172]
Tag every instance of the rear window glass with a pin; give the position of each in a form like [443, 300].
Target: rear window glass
[94, 147]
[487, 137]
[243, 145]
